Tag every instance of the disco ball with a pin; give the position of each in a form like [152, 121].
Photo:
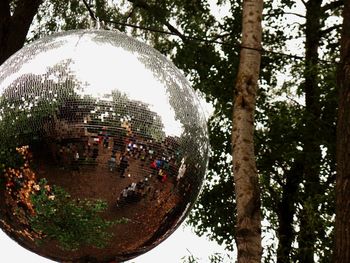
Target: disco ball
[103, 147]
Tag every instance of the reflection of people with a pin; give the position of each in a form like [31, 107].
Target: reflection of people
[143, 155]
[76, 160]
[162, 175]
[95, 151]
[182, 169]
[150, 152]
[112, 163]
[105, 141]
[123, 165]
[76, 156]
[132, 187]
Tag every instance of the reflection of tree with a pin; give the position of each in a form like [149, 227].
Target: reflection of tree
[55, 93]
[26, 104]
[28, 53]
[73, 223]
[144, 121]
[194, 140]
[48, 212]
[116, 109]
[44, 107]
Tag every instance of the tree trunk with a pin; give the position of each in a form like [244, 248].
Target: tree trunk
[311, 144]
[14, 27]
[248, 228]
[286, 210]
[342, 228]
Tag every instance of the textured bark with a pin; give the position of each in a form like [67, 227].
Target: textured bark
[311, 144]
[286, 211]
[14, 28]
[342, 229]
[248, 228]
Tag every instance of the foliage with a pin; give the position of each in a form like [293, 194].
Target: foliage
[214, 258]
[209, 66]
[215, 206]
[189, 259]
[21, 114]
[281, 115]
[73, 223]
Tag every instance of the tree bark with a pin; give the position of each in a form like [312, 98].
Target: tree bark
[286, 210]
[248, 228]
[14, 27]
[342, 226]
[311, 134]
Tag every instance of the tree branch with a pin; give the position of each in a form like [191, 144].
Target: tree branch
[332, 5]
[294, 14]
[88, 7]
[131, 12]
[295, 101]
[157, 13]
[214, 38]
[273, 194]
[330, 29]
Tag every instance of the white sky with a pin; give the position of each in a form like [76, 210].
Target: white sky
[181, 243]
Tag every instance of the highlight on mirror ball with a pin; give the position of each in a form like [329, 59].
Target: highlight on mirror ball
[103, 147]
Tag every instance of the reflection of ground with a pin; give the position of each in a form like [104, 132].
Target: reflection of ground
[147, 215]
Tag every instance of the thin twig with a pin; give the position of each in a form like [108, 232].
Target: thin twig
[88, 7]
[174, 32]
[294, 14]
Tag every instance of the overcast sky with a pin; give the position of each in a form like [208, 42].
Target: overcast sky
[180, 244]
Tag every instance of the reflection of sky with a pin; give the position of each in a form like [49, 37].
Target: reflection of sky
[109, 68]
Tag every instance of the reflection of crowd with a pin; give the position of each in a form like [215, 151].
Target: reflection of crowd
[126, 154]
[87, 151]
[134, 192]
[158, 161]
[161, 169]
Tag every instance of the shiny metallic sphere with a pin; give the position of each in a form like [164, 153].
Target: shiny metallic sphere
[103, 147]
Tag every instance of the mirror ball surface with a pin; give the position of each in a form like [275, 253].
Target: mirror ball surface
[103, 147]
